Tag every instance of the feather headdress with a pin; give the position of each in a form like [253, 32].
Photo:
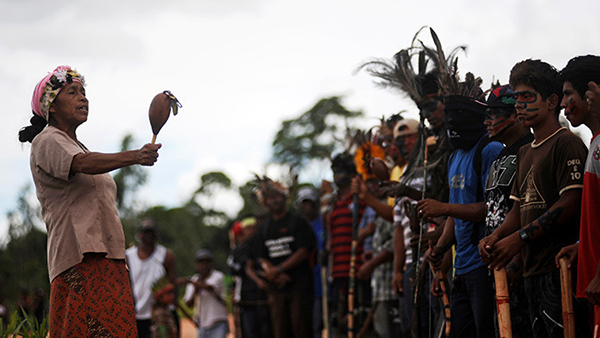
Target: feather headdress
[366, 151]
[448, 78]
[401, 73]
[266, 186]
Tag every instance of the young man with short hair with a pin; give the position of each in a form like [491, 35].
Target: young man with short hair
[149, 263]
[205, 293]
[503, 126]
[546, 194]
[578, 77]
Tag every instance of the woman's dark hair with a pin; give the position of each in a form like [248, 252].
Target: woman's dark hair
[27, 134]
[580, 70]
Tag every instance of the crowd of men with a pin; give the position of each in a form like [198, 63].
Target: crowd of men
[492, 182]
[423, 219]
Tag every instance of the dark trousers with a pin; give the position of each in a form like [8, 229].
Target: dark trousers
[472, 305]
[429, 306]
[291, 310]
[143, 327]
[255, 321]
[545, 306]
[519, 312]
[339, 305]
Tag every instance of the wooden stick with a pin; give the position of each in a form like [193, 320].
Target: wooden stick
[503, 303]
[567, 299]
[445, 299]
[324, 300]
[154, 139]
[442, 278]
[596, 321]
[352, 277]
[365, 327]
[351, 290]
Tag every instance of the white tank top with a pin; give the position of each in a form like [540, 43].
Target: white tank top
[143, 274]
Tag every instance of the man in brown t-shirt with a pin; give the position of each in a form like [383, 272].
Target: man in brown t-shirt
[547, 195]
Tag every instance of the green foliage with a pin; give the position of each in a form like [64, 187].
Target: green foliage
[128, 179]
[314, 135]
[23, 258]
[25, 328]
[211, 181]
[191, 227]
[182, 230]
[251, 205]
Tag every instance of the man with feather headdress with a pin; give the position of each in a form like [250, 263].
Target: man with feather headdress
[472, 297]
[429, 159]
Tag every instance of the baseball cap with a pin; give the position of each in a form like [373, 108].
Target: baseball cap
[147, 225]
[501, 97]
[307, 193]
[203, 254]
[406, 127]
[248, 221]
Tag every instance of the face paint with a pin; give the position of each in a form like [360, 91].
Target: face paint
[575, 108]
[429, 107]
[497, 124]
[529, 106]
[571, 107]
[525, 99]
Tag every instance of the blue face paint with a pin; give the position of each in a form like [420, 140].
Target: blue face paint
[525, 98]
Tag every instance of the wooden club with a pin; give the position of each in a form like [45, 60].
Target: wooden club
[566, 286]
[503, 303]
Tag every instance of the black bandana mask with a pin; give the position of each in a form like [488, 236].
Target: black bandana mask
[464, 118]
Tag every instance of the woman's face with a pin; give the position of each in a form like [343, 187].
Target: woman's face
[70, 108]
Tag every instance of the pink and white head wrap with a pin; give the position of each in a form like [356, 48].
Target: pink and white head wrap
[48, 88]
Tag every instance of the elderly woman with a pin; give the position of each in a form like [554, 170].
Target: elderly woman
[90, 290]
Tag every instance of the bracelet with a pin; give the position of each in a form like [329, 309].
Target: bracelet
[524, 236]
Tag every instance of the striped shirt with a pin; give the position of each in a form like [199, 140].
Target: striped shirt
[340, 232]
[383, 274]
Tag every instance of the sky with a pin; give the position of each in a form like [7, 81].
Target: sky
[241, 67]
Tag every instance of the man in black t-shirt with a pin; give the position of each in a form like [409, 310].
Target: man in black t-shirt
[282, 249]
[503, 126]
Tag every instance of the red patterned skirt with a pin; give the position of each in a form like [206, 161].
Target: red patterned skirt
[93, 299]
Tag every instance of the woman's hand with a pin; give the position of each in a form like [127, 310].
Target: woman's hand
[148, 154]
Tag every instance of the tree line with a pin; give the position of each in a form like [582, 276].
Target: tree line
[310, 138]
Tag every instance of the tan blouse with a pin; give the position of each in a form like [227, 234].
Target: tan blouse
[79, 210]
